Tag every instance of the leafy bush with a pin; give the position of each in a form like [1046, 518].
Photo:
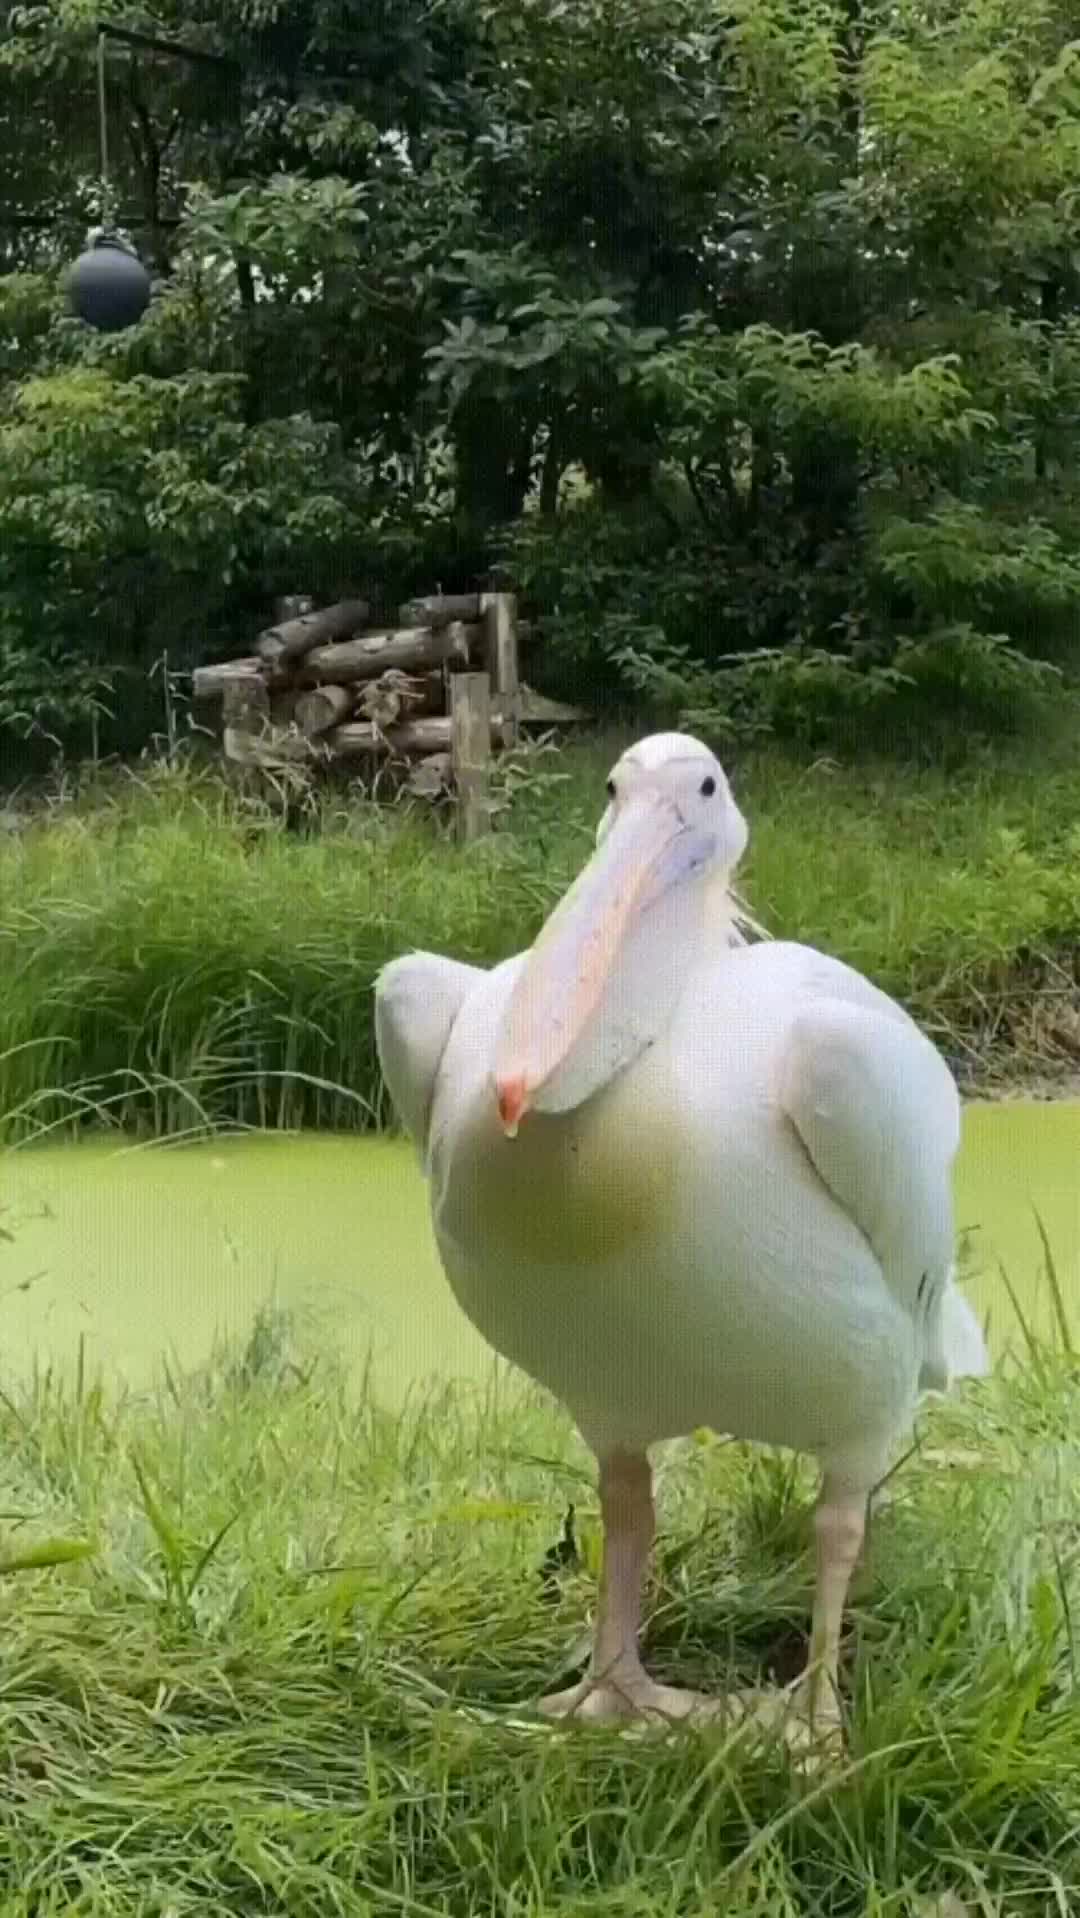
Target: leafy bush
[791, 295]
[135, 514]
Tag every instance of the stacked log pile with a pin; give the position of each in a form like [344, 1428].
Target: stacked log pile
[440, 691]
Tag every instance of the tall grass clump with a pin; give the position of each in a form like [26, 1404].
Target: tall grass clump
[287, 1663]
[174, 959]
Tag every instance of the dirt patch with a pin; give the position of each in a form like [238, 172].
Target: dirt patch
[1001, 1084]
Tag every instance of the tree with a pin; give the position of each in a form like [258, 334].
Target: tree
[744, 334]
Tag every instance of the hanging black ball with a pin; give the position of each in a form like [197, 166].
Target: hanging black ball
[108, 287]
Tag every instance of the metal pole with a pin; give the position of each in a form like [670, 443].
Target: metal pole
[103, 134]
[154, 45]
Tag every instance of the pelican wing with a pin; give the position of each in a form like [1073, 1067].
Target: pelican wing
[417, 1000]
[879, 1115]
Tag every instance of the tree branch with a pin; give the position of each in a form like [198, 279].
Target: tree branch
[697, 493]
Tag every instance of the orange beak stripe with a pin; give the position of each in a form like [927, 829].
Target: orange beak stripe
[510, 1095]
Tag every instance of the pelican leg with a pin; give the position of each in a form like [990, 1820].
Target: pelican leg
[840, 1527]
[807, 1714]
[617, 1685]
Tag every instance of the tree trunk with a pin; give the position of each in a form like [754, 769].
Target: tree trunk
[245, 282]
[551, 474]
[148, 153]
[491, 480]
[825, 486]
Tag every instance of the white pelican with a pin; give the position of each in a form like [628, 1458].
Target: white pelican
[687, 1181]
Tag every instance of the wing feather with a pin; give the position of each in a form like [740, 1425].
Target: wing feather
[879, 1114]
[417, 999]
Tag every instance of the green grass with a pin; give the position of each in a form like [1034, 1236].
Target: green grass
[289, 1678]
[173, 958]
[266, 1645]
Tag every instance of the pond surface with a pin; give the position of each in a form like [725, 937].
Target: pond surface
[1016, 1159]
[168, 1249]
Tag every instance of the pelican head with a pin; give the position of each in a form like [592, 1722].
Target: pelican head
[606, 969]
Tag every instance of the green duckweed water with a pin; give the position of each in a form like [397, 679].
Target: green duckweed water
[171, 1249]
[133, 1254]
[1018, 1158]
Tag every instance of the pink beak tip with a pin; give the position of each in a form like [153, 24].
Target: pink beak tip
[511, 1100]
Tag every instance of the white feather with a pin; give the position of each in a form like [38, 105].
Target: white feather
[417, 999]
[748, 1226]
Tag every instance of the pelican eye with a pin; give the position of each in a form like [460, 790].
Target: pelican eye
[611, 789]
[708, 786]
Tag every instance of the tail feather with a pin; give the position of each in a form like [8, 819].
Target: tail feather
[965, 1347]
[957, 1348]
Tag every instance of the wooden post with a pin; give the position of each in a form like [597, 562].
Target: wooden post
[245, 711]
[470, 747]
[245, 703]
[498, 612]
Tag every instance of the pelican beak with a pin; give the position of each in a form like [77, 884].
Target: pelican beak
[645, 852]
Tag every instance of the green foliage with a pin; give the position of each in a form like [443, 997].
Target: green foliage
[794, 294]
[795, 388]
[47, 692]
[133, 511]
[534, 329]
[801, 692]
[96, 471]
[174, 959]
[958, 556]
[290, 228]
[27, 306]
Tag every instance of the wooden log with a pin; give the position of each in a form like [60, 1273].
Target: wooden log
[283, 645]
[408, 649]
[270, 750]
[209, 682]
[246, 701]
[282, 710]
[470, 745]
[245, 748]
[356, 739]
[322, 708]
[257, 742]
[431, 776]
[499, 617]
[413, 737]
[396, 696]
[384, 705]
[439, 608]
